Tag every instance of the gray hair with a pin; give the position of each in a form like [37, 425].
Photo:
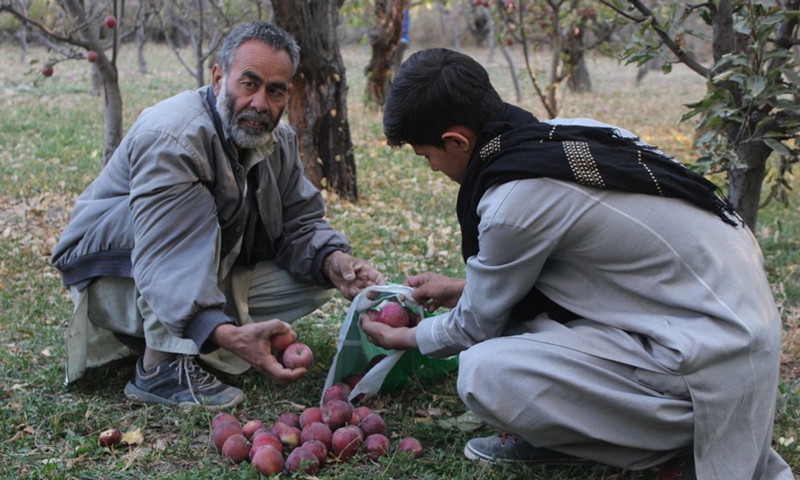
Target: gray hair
[266, 33]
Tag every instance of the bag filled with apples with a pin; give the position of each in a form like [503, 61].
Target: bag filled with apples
[370, 369]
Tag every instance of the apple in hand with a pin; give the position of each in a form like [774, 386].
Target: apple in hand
[298, 355]
[282, 340]
[393, 314]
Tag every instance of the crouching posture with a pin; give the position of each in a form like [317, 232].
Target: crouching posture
[614, 309]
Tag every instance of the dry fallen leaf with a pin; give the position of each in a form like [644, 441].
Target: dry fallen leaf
[133, 437]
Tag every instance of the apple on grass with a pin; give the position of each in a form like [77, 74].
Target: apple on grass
[316, 431]
[346, 442]
[297, 355]
[109, 437]
[309, 416]
[302, 460]
[91, 56]
[251, 427]
[410, 446]
[236, 449]
[268, 460]
[376, 446]
[336, 413]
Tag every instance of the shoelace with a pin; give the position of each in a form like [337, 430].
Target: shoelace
[504, 436]
[187, 368]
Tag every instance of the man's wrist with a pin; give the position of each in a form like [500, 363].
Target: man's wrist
[225, 336]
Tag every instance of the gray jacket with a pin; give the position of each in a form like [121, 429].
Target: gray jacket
[175, 188]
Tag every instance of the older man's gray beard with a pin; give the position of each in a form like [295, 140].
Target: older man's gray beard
[243, 137]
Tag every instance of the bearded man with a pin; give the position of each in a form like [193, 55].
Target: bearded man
[202, 237]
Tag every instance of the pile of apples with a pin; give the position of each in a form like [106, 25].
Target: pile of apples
[306, 441]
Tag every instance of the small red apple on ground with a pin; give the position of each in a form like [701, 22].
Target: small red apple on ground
[317, 448]
[109, 437]
[337, 391]
[263, 438]
[346, 442]
[222, 432]
[297, 355]
[251, 427]
[376, 446]
[268, 461]
[363, 411]
[373, 423]
[316, 431]
[310, 415]
[235, 449]
[302, 460]
[289, 418]
[110, 21]
[336, 413]
[222, 417]
[290, 437]
[91, 56]
[393, 314]
[47, 70]
[410, 446]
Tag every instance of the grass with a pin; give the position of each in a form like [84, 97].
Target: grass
[51, 132]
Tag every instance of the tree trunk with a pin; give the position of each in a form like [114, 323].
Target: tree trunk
[318, 106]
[384, 37]
[141, 37]
[107, 71]
[745, 180]
[578, 78]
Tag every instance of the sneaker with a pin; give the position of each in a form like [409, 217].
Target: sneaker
[510, 448]
[679, 468]
[180, 381]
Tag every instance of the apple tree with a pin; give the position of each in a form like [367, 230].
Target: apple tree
[72, 32]
[318, 105]
[749, 119]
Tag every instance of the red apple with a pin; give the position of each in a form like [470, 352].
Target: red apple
[298, 355]
[363, 411]
[268, 461]
[309, 416]
[336, 413]
[223, 417]
[251, 427]
[91, 56]
[110, 21]
[290, 437]
[393, 314]
[337, 391]
[235, 449]
[262, 438]
[289, 418]
[317, 448]
[316, 431]
[302, 460]
[376, 446]
[410, 446]
[346, 442]
[222, 432]
[373, 423]
[282, 340]
[47, 70]
[109, 437]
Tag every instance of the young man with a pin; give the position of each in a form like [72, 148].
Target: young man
[614, 310]
[202, 235]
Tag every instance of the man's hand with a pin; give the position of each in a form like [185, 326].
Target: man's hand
[350, 274]
[252, 344]
[383, 335]
[432, 290]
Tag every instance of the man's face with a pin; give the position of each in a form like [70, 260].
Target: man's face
[252, 95]
[451, 160]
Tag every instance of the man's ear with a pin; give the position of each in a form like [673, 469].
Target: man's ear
[216, 79]
[460, 137]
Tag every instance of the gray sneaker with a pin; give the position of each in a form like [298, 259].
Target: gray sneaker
[510, 448]
[180, 381]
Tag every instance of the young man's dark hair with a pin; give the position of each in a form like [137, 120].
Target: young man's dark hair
[422, 102]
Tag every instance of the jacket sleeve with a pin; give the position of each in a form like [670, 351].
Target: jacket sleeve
[176, 233]
[306, 236]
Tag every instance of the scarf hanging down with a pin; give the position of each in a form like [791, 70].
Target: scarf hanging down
[515, 145]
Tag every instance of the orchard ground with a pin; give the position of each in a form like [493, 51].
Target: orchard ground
[51, 134]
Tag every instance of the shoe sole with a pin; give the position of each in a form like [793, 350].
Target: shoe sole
[135, 393]
[572, 461]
